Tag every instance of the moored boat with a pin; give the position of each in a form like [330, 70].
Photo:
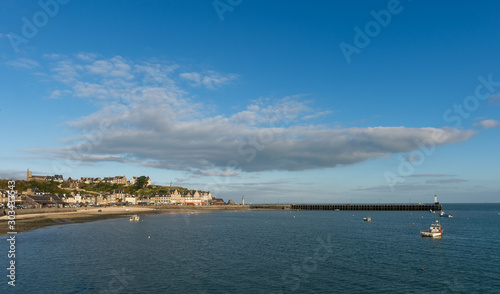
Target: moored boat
[367, 219]
[435, 231]
[134, 218]
[443, 214]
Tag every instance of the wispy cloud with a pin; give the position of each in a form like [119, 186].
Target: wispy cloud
[57, 94]
[215, 173]
[115, 67]
[12, 174]
[210, 79]
[88, 57]
[317, 115]
[431, 175]
[386, 188]
[487, 124]
[422, 186]
[23, 63]
[446, 181]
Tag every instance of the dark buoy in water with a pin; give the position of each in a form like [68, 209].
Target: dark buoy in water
[422, 269]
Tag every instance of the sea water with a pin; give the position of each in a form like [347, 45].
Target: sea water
[263, 252]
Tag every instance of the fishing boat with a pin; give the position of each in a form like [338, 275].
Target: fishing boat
[435, 231]
[134, 218]
[367, 219]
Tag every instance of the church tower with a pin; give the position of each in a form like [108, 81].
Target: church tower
[28, 175]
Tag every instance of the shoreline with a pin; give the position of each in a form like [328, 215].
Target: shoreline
[26, 220]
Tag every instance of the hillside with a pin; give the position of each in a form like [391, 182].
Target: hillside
[66, 188]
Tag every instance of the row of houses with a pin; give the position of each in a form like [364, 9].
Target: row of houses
[174, 197]
[120, 180]
[4, 197]
[37, 199]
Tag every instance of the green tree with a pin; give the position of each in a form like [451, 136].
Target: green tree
[141, 182]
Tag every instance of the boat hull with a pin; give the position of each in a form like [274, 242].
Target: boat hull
[431, 234]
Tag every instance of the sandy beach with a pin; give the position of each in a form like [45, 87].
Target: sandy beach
[26, 222]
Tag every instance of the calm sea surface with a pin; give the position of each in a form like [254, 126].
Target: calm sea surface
[263, 252]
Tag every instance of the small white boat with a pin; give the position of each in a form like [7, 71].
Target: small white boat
[443, 214]
[435, 231]
[367, 219]
[134, 218]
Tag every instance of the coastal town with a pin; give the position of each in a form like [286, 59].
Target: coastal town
[78, 193]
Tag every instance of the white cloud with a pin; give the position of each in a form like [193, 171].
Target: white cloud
[192, 76]
[57, 94]
[66, 71]
[88, 57]
[487, 124]
[209, 79]
[144, 117]
[115, 67]
[165, 137]
[23, 63]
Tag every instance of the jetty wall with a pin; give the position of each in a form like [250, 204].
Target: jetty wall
[386, 207]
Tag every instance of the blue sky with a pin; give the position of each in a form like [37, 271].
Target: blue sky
[257, 98]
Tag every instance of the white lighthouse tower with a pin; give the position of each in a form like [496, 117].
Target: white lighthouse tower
[436, 199]
[242, 200]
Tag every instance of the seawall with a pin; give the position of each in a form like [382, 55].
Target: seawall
[385, 207]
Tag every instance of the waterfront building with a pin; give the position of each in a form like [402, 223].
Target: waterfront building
[173, 196]
[47, 200]
[130, 199]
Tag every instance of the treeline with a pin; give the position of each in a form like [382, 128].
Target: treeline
[45, 186]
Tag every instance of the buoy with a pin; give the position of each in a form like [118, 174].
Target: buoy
[422, 269]
[149, 237]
